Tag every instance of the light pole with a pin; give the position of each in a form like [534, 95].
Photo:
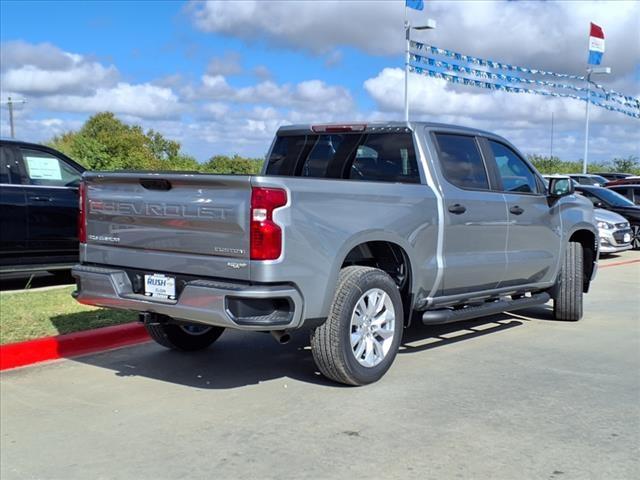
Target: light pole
[590, 71]
[430, 25]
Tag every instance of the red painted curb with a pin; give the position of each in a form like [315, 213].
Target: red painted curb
[20, 354]
[615, 264]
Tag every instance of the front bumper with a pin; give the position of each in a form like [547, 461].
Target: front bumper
[612, 241]
[613, 248]
[222, 304]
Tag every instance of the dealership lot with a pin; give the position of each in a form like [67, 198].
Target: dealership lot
[508, 396]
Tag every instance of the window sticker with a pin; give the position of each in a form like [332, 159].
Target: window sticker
[43, 168]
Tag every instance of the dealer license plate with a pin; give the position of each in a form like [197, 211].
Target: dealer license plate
[160, 286]
[626, 238]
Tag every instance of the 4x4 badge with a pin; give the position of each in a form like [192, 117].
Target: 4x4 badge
[236, 265]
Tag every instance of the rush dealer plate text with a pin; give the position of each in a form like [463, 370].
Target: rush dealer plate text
[160, 286]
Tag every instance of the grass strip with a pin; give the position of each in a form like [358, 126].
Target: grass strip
[36, 314]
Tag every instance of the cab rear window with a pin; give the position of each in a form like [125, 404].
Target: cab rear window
[379, 157]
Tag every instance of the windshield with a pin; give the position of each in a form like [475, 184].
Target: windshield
[611, 197]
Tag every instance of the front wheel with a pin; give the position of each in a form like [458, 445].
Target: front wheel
[185, 337]
[567, 301]
[359, 341]
[635, 237]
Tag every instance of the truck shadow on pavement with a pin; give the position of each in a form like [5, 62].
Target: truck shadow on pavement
[239, 359]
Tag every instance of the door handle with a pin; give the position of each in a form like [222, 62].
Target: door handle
[516, 210]
[40, 199]
[457, 209]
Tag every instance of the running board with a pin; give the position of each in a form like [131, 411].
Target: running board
[445, 315]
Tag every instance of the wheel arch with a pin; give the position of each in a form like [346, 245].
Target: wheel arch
[383, 250]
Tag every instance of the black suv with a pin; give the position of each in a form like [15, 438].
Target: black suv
[38, 208]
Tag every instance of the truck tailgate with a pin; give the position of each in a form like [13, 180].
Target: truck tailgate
[169, 220]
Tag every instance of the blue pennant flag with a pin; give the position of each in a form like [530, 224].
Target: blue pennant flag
[415, 4]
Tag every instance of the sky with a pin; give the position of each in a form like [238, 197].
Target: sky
[221, 76]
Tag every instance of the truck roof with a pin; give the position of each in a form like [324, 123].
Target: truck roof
[382, 126]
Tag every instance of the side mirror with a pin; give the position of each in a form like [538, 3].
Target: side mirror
[560, 187]
[598, 205]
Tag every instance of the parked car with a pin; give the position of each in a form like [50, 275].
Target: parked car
[38, 208]
[610, 200]
[546, 179]
[347, 232]
[613, 175]
[588, 179]
[632, 192]
[614, 230]
[632, 180]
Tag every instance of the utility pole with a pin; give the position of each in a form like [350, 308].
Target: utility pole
[10, 103]
[551, 147]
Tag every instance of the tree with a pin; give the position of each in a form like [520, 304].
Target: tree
[106, 143]
[629, 164]
[235, 165]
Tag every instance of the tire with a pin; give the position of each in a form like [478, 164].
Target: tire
[635, 237]
[567, 301]
[358, 289]
[179, 337]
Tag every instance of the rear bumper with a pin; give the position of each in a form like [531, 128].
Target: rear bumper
[223, 304]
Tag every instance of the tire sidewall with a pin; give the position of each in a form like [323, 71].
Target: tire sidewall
[372, 279]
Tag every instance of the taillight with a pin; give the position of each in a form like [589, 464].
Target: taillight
[82, 213]
[266, 235]
[339, 128]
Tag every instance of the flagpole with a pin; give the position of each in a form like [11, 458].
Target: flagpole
[407, 59]
[586, 124]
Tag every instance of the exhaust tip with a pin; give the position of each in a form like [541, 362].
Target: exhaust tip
[281, 336]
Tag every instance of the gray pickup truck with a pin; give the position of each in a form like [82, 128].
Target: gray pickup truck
[350, 232]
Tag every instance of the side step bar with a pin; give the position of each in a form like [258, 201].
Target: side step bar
[445, 315]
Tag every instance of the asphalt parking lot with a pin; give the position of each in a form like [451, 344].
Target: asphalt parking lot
[504, 397]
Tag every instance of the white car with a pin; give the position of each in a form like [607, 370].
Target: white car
[614, 231]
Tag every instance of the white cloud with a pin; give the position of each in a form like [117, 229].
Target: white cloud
[43, 55]
[81, 78]
[41, 69]
[141, 100]
[40, 129]
[228, 64]
[312, 95]
[262, 72]
[57, 81]
[547, 35]
[522, 118]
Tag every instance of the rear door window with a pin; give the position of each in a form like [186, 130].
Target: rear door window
[385, 157]
[42, 168]
[461, 161]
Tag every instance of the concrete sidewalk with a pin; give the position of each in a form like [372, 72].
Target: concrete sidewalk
[504, 397]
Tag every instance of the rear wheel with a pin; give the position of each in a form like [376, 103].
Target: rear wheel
[567, 302]
[359, 341]
[185, 337]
